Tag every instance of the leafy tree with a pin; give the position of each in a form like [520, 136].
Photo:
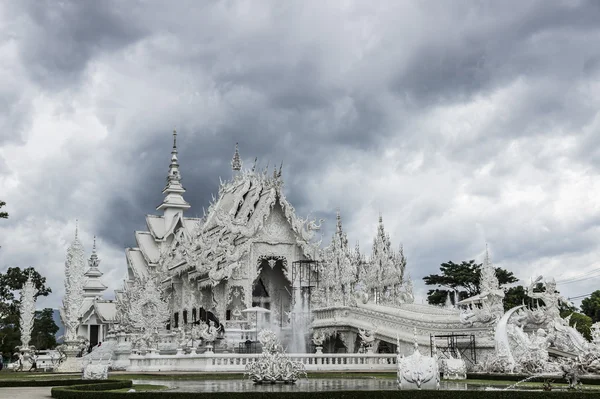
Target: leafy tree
[462, 278]
[10, 283]
[3, 215]
[591, 306]
[44, 330]
[581, 322]
[515, 296]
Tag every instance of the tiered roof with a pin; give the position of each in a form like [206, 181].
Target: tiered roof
[93, 286]
[208, 248]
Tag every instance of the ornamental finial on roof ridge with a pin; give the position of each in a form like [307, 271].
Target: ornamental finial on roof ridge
[236, 162]
[174, 165]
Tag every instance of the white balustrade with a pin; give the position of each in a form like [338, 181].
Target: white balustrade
[236, 362]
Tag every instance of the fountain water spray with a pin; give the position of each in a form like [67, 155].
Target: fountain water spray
[300, 319]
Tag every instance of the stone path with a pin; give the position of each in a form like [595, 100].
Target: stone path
[25, 393]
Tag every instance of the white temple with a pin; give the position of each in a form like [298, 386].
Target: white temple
[199, 291]
[85, 314]
[251, 251]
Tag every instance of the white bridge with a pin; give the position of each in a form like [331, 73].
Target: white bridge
[392, 323]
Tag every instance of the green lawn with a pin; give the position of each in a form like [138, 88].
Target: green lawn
[38, 375]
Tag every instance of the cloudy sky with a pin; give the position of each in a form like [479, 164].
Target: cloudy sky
[462, 122]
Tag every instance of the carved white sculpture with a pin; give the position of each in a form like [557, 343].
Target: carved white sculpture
[74, 282]
[418, 371]
[27, 312]
[367, 338]
[318, 338]
[454, 368]
[273, 365]
[545, 315]
[75, 267]
[148, 313]
[490, 298]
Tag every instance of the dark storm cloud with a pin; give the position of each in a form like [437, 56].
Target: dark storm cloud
[457, 121]
[58, 39]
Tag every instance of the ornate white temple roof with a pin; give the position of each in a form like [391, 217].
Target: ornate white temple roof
[104, 310]
[205, 246]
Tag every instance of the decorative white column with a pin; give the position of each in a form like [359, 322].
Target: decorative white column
[70, 312]
[27, 313]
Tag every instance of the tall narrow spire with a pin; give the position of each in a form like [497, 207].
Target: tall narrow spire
[173, 201]
[339, 222]
[236, 162]
[486, 258]
[93, 287]
[174, 166]
[93, 262]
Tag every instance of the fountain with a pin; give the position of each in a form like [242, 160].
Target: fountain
[274, 365]
[300, 321]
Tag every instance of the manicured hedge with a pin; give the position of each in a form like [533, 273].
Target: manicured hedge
[76, 393]
[46, 383]
[520, 377]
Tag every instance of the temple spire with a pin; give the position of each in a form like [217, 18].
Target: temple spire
[173, 201]
[339, 222]
[486, 258]
[236, 162]
[174, 166]
[93, 287]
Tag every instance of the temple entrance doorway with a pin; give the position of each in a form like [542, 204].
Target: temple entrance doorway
[94, 332]
[272, 290]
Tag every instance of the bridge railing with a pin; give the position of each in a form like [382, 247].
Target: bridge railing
[236, 362]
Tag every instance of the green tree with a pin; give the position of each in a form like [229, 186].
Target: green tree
[580, 321]
[3, 215]
[43, 335]
[10, 283]
[591, 306]
[515, 296]
[462, 278]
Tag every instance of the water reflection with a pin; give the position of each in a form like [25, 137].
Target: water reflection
[310, 385]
